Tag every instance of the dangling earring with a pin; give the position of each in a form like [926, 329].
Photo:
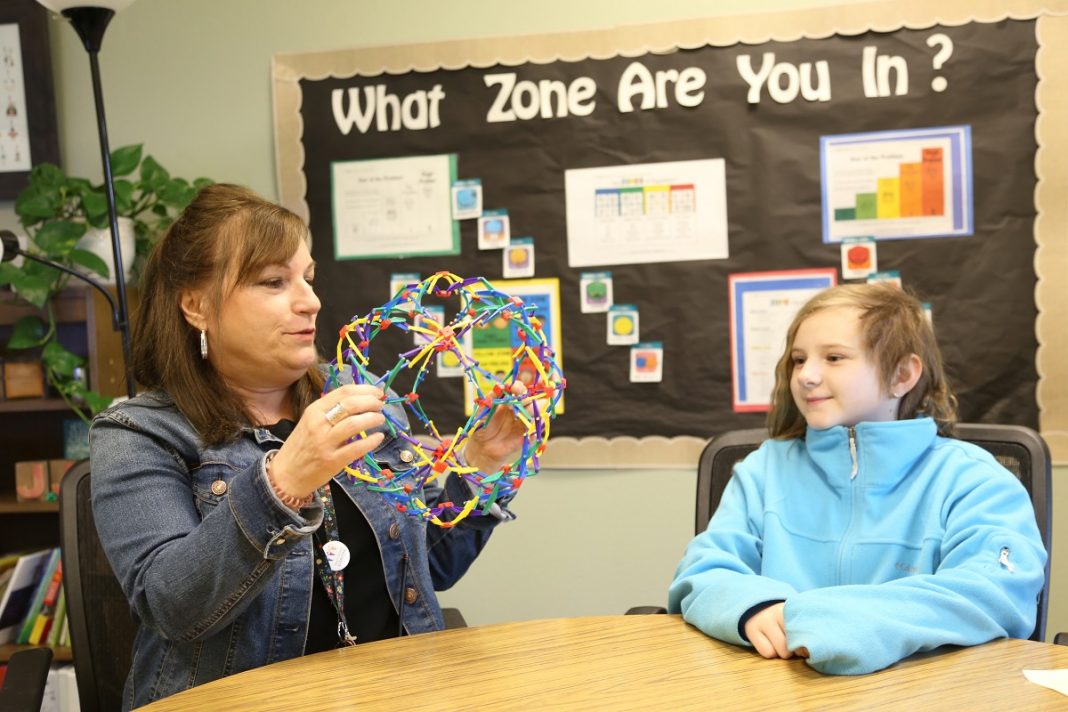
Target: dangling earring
[203, 344]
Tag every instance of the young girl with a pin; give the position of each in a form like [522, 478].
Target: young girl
[859, 534]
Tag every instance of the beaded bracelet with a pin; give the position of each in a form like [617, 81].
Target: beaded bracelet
[294, 503]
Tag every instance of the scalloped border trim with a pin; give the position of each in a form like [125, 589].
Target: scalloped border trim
[1051, 158]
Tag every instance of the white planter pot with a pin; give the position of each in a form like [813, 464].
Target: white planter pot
[98, 241]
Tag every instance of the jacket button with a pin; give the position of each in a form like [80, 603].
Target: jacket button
[394, 531]
[218, 488]
[410, 595]
[406, 456]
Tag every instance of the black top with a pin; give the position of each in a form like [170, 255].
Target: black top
[369, 611]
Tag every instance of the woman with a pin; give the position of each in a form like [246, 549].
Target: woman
[215, 493]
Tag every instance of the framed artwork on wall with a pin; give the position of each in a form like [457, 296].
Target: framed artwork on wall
[28, 133]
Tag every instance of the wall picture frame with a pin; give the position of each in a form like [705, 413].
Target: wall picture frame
[28, 130]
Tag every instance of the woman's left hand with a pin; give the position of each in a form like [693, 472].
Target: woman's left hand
[498, 441]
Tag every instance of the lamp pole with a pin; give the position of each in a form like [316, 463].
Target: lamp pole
[90, 22]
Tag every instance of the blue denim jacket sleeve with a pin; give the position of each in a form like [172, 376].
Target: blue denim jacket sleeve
[186, 568]
[450, 552]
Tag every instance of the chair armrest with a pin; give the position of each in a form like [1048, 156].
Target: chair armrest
[1061, 639]
[645, 610]
[24, 685]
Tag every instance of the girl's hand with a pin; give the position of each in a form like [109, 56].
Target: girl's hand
[498, 441]
[319, 447]
[766, 630]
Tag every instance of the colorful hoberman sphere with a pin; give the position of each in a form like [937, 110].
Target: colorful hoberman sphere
[532, 362]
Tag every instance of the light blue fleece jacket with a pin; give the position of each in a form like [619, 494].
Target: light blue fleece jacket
[917, 541]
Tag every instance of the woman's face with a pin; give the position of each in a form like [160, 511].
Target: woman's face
[264, 336]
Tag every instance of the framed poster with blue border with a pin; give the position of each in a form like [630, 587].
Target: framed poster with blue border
[897, 184]
[494, 345]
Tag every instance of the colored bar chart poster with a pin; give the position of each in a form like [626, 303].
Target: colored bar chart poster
[655, 212]
[493, 345]
[762, 305]
[897, 184]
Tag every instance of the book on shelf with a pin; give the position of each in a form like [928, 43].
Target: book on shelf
[5, 579]
[58, 619]
[43, 622]
[64, 636]
[17, 599]
[44, 583]
[8, 561]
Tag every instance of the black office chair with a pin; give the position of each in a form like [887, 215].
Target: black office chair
[1020, 450]
[102, 628]
[24, 684]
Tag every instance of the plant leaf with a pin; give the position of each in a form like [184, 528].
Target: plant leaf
[124, 160]
[95, 204]
[123, 196]
[27, 333]
[8, 273]
[90, 260]
[34, 288]
[81, 186]
[153, 175]
[201, 183]
[58, 237]
[31, 205]
[177, 193]
[59, 359]
[96, 401]
[47, 175]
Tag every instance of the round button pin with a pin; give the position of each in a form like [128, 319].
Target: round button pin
[337, 555]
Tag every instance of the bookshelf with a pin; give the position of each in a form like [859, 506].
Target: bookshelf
[59, 655]
[32, 428]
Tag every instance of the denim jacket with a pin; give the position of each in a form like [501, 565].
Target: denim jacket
[218, 572]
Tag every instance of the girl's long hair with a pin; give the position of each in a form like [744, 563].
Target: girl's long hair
[893, 326]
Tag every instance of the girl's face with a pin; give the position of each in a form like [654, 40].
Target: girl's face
[834, 381]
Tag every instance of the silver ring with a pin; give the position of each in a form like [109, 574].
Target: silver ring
[336, 414]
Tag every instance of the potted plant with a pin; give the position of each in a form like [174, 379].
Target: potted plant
[56, 211]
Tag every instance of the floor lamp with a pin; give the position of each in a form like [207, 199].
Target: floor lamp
[90, 21]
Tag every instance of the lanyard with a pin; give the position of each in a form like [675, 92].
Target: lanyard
[333, 581]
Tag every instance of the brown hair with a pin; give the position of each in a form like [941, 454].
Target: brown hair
[222, 240]
[893, 326]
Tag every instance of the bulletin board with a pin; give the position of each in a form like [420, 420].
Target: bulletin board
[758, 93]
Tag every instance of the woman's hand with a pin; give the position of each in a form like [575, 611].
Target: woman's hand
[766, 630]
[498, 441]
[319, 446]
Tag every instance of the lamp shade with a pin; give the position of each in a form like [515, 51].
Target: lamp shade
[61, 5]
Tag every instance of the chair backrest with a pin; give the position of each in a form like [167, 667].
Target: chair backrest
[1020, 450]
[102, 628]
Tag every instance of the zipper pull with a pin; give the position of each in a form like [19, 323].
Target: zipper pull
[853, 452]
[1004, 560]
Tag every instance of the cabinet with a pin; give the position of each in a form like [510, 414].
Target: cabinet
[32, 428]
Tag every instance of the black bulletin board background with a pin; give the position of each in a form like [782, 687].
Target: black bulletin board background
[981, 287]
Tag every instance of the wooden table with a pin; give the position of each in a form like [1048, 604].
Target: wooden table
[619, 663]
